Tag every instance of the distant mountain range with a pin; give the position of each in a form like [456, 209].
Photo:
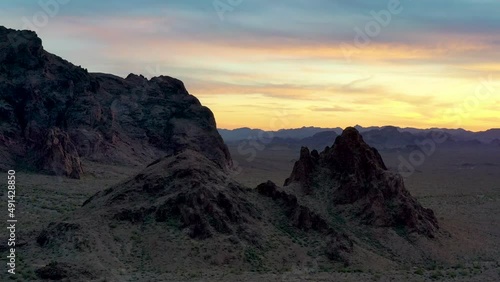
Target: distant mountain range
[385, 137]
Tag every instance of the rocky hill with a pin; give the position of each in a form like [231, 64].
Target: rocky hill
[54, 113]
[360, 186]
[183, 212]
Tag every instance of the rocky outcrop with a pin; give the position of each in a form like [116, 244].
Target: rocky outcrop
[303, 169]
[364, 186]
[105, 118]
[186, 190]
[65, 233]
[301, 216]
[59, 155]
[185, 194]
[339, 245]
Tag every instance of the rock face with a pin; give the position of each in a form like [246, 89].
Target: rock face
[186, 190]
[362, 185]
[339, 245]
[100, 117]
[301, 216]
[303, 169]
[59, 155]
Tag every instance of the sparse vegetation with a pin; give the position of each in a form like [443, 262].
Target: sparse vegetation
[419, 271]
[451, 274]
[174, 222]
[436, 274]
[254, 259]
[464, 272]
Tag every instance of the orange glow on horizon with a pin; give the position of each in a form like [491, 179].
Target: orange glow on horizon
[247, 82]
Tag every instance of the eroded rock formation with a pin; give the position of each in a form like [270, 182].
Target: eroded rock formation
[362, 185]
[130, 121]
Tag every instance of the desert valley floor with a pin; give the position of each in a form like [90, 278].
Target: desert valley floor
[461, 186]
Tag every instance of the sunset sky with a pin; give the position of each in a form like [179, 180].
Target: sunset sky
[285, 64]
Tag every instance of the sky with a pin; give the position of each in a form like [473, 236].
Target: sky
[287, 64]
